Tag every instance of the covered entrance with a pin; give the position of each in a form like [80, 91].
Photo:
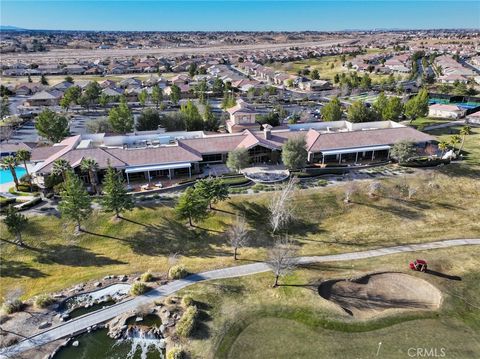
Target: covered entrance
[356, 155]
[156, 171]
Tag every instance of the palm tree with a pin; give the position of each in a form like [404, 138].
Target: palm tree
[454, 139]
[61, 167]
[91, 166]
[10, 162]
[443, 145]
[24, 156]
[464, 131]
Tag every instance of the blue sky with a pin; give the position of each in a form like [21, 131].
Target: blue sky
[239, 15]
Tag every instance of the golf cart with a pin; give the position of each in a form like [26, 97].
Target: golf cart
[418, 265]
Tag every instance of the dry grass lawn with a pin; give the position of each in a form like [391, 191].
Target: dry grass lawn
[56, 259]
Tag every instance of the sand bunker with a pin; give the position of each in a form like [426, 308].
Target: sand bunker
[379, 293]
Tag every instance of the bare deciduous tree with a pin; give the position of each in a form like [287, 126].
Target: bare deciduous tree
[412, 191]
[350, 190]
[282, 258]
[172, 260]
[281, 208]
[374, 188]
[238, 235]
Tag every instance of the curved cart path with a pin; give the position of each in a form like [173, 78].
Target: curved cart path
[80, 324]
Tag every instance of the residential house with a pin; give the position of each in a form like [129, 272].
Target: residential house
[446, 111]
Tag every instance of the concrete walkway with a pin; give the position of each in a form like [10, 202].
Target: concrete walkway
[80, 324]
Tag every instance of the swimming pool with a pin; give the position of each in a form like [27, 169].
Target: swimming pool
[6, 175]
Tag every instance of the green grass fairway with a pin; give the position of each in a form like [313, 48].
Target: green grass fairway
[246, 318]
[295, 340]
[325, 68]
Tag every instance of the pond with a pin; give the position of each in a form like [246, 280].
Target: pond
[98, 345]
[88, 302]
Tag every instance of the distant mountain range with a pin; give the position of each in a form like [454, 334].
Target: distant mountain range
[11, 28]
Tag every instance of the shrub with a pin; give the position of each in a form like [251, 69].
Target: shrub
[138, 288]
[146, 277]
[43, 301]
[187, 301]
[177, 272]
[25, 179]
[322, 182]
[52, 180]
[176, 353]
[26, 188]
[12, 306]
[5, 202]
[31, 203]
[186, 324]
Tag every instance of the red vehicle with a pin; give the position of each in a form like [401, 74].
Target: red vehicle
[418, 265]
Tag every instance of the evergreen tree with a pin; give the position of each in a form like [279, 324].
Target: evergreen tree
[358, 112]
[148, 120]
[75, 203]
[213, 190]
[104, 100]
[116, 198]
[175, 94]
[71, 96]
[4, 107]
[15, 223]
[143, 97]
[157, 96]
[192, 206]
[52, 126]
[121, 118]
[393, 110]
[417, 106]
[238, 159]
[332, 111]
[211, 122]
[43, 80]
[193, 119]
[294, 153]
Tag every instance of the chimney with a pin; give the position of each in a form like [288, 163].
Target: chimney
[267, 131]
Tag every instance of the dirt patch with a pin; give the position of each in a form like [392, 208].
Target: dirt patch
[378, 293]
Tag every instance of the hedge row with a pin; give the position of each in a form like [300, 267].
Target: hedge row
[425, 162]
[186, 324]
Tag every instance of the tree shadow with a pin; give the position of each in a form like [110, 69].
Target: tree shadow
[422, 205]
[73, 255]
[206, 229]
[460, 170]
[134, 222]
[255, 214]
[172, 236]
[398, 211]
[23, 246]
[15, 269]
[103, 235]
[443, 275]
[222, 210]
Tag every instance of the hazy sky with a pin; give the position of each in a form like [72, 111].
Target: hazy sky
[239, 15]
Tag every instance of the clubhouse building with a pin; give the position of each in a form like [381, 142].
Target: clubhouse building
[144, 156]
